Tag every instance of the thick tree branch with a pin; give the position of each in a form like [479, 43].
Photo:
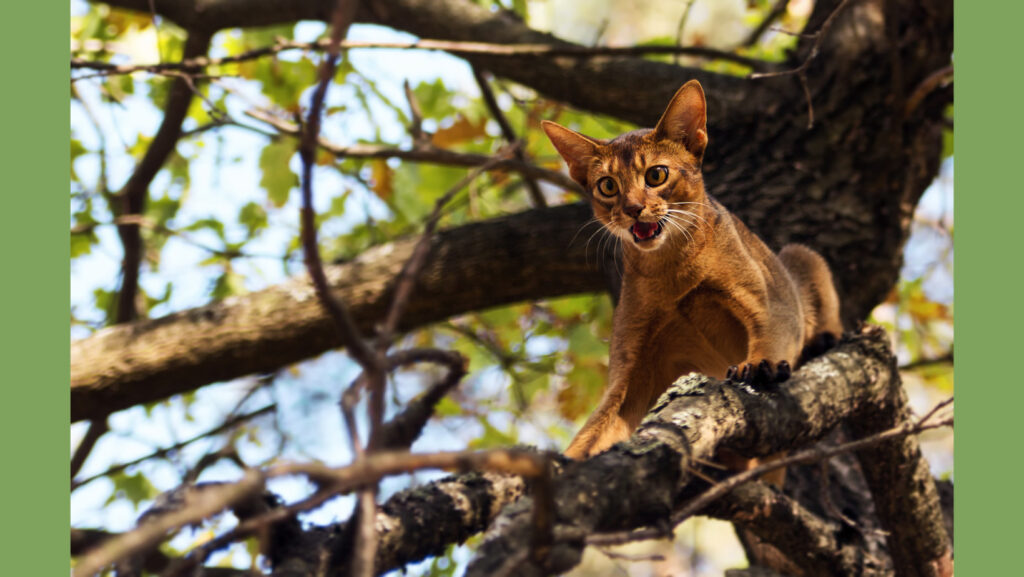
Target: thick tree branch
[695, 418]
[466, 269]
[690, 423]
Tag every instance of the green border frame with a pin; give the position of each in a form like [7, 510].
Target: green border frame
[988, 287]
[34, 222]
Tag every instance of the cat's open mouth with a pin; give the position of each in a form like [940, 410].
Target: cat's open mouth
[645, 231]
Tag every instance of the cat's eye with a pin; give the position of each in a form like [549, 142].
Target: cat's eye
[656, 175]
[607, 186]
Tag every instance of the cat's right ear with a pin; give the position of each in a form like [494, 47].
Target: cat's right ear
[576, 149]
[685, 120]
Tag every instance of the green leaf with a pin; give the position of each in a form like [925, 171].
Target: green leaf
[435, 99]
[278, 179]
[447, 408]
[228, 284]
[136, 488]
[583, 342]
[162, 209]
[81, 243]
[253, 217]
[208, 223]
[106, 301]
[77, 149]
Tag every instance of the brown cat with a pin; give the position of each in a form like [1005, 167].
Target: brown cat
[700, 292]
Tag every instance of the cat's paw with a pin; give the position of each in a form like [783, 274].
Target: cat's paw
[760, 374]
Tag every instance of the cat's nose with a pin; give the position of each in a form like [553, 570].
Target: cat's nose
[633, 209]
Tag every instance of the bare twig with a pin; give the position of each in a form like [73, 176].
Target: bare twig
[803, 457]
[810, 456]
[419, 137]
[536, 196]
[778, 9]
[407, 278]
[424, 153]
[192, 64]
[934, 80]
[160, 453]
[148, 223]
[155, 561]
[96, 430]
[801, 71]
[403, 429]
[682, 26]
[913, 365]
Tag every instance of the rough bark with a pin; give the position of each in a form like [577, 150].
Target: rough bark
[904, 493]
[846, 187]
[819, 547]
[695, 418]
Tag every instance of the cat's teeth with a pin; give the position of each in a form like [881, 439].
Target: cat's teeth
[645, 230]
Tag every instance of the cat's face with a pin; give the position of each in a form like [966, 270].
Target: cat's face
[645, 185]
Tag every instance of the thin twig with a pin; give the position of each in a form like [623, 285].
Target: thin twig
[96, 430]
[357, 347]
[803, 457]
[407, 278]
[161, 453]
[940, 77]
[536, 196]
[778, 9]
[681, 26]
[490, 49]
[809, 456]
[404, 428]
[423, 153]
[365, 545]
[801, 71]
[919, 363]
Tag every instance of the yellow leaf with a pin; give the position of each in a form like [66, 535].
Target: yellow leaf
[381, 179]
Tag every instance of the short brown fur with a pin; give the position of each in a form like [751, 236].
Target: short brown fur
[702, 293]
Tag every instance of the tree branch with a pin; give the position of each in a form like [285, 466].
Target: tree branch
[459, 48]
[591, 498]
[466, 269]
[133, 195]
[695, 418]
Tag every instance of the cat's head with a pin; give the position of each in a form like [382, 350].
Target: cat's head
[646, 185]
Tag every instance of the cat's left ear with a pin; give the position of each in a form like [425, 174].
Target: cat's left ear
[685, 120]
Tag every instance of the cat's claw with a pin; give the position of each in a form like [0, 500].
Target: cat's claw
[760, 374]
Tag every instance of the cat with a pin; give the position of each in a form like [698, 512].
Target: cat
[700, 292]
